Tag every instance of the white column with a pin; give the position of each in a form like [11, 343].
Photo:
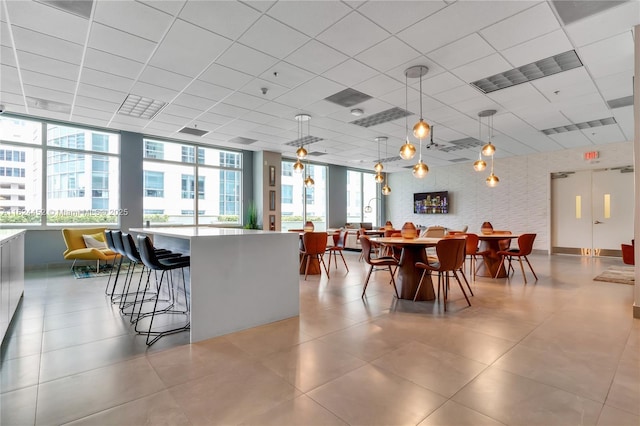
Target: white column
[636, 166]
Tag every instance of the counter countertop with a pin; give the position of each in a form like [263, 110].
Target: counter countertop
[189, 232]
[6, 234]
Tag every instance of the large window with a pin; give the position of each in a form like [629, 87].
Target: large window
[362, 198]
[300, 203]
[80, 172]
[172, 182]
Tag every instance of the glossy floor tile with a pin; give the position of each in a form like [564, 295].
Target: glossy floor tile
[562, 351]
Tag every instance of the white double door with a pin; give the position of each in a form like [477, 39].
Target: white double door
[592, 211]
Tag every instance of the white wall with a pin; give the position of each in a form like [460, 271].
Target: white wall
[520, 203]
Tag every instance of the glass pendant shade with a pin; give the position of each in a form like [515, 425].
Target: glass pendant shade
[309, 182]
[379, 178]
[298, 167]
[479, 165]
[492, 180]
[421, 129]
[301, 153]
[420, 170]
[378, 167]
[386, 190]
[368, 209]
[407, 151]
[488, 150]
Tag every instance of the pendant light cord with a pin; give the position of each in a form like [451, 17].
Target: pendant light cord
[406, 105]
[420, 93]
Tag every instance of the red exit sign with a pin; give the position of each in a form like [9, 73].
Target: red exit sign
[591, 155]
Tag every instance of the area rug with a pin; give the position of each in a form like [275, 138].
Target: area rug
[86, 271]
[618, 274]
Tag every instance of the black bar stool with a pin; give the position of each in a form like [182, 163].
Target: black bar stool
[166, 266]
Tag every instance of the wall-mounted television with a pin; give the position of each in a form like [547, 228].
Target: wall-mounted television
[431, 202]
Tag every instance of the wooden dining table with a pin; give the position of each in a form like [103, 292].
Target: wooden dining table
[408, 277]
[490, 243]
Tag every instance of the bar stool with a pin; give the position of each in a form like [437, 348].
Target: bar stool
[117, 264]
[166, 266]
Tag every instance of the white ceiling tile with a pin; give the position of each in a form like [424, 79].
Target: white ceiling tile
[511, 97]
[227, 18]
[163, 78]
[605, 134]
[567, 84]
[120, 43]
[514, 127]
[458, 20]
[261, 5]
[103, 79]
[316, 57]
[256, 87]
[49, 20]
[207, 90]
[29, 61]
[96, 104]
[273, 38]
[461, 52]
[286, 75]
[539, 48]
[482, 68]
[181, 111]
[543, 118]
[44, 80]
[310, 92]
[379, 85]
[385, 55]
[217, 119]
[226, 77]
[309, 17]
[133, 17]
[163, 117]
[229, 110]
[353, 34]
[350, 73]
[457, 94]
[608, 56]
[395, 16]
[624, 117]
[172, 7]
[107, 94]
[154, 92]
[48, 94]
[80, 111]
[102, 61]
[616, 85]
[5, 34]
[258, 117]
[10, 80]
[45, 45]
[611, 22]
[571, 139]
[474, 105]
[279, 110]
[585, 108]
[526, 25]
[176, 52]
[399, 72]
[246, 59]
[243, 100]
[324, 108]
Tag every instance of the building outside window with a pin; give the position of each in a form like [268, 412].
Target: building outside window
[215, 175]
[298, 199]
[362, 191]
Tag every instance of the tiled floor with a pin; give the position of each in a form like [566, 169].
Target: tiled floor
[562, 351]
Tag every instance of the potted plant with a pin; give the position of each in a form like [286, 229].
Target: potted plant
[252, 216]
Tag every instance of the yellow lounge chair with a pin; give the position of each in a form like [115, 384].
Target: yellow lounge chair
[77, 249]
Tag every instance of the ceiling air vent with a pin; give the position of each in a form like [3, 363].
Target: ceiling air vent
[533, 71]
[620, 102]
[140, 107]
[458, 144]
[459, 160]
[243, 141]
[316, 153]
[307, 140]
[48, 105]
[579, 126]
[572, 11]
[382, 117]
[348, 98]
[390, 159]
[193, 131]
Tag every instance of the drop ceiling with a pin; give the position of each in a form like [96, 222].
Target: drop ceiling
[240, 71]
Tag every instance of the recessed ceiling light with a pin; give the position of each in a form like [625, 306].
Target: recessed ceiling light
[140, 107]
[357, 112]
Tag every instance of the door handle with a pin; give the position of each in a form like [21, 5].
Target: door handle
[597, 222]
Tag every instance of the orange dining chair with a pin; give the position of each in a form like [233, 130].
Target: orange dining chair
[451, 253]
[387, 261]
[525, 246]
[375, 247]
[338, 247]
[314, 245]
[472, 251]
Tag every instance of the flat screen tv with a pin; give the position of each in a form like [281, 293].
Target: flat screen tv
[431, 202]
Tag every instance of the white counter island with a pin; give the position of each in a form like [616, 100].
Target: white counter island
[239, 278]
